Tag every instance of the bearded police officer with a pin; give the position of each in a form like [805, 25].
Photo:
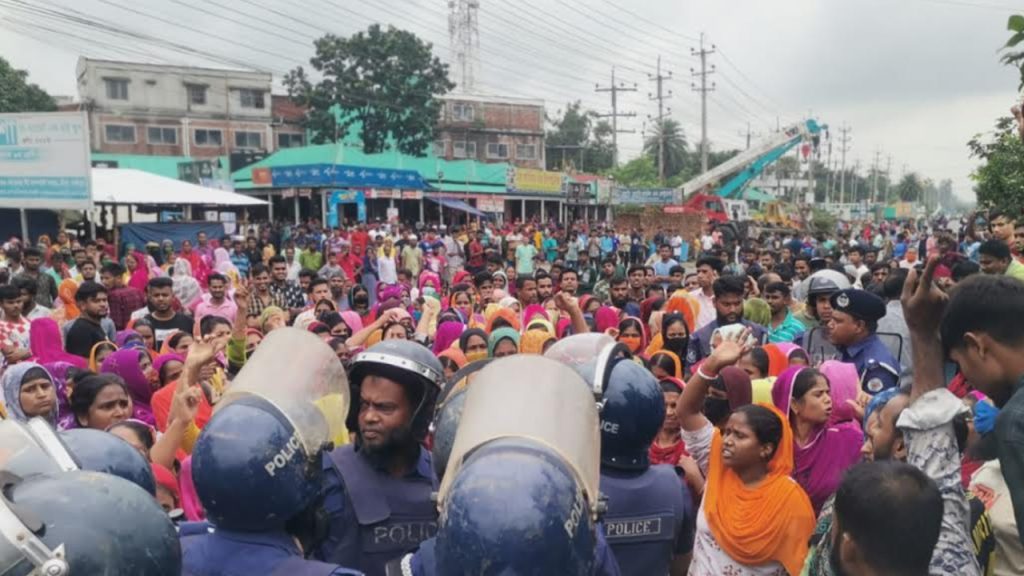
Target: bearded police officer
[257, 465]
[377, 492]
[852, 329]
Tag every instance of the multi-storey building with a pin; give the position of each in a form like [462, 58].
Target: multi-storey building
[180, 111]
[491, 129]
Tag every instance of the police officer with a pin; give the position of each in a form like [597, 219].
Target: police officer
[819, 288]
[514, 470]
[257, 468]
[650, 516]
[377, 492]
[852, 327]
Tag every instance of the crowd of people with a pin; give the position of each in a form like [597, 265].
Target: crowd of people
[839, 403]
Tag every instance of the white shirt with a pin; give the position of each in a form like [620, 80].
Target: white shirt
[707, 309]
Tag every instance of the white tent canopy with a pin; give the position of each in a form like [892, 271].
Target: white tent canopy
[127, 186]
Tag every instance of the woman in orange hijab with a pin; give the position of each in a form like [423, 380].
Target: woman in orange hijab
[69, 311]
[754, 518]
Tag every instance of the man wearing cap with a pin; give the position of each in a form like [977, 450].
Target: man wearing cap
[855, 316]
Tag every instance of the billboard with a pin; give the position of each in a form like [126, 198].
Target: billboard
[646, 196]
[532, 180]
[44, 161]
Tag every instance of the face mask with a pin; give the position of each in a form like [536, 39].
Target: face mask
[631, 342]
[362, 300]
[475, 356]
[677, 345]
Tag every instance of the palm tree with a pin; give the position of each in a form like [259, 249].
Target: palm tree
[675, 146]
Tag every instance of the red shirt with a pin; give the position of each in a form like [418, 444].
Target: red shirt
[476, 254]
[360, 240]
[351, 264]
[124, 301]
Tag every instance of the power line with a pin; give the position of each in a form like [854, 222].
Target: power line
[704, 89]
[659, 79]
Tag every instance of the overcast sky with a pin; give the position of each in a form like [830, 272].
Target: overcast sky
[913, 78]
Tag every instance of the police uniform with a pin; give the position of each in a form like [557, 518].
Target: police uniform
[374, 517]
[877, 367]
[210, 552]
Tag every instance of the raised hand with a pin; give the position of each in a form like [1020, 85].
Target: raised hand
[923, 301]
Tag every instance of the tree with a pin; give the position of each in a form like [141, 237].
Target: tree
[1016, 26]
[384, 81]
[676, 154]
[639, 172]
[999, 181]
[17, 95]
[910, 188]
[578, 139]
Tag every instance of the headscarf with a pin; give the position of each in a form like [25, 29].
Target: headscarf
[532, 341]
[769, 522]
[186, 288]
[778, 362]
[532, 311]
[162, 359]
[677, 372]
[222, 263]
[140, 277]
[643, 335]
[47, 346]
[503, 333]
[757, 311]
[738, 389]
[12, 380]
[129, 339]
[782, 392]
[878, 401]
[505, 314]
[539, 323]
[465, 336]
[93, 364]
[683, 302]
[677, 348]
[352, 320]
[647, 308]
[606, 317]
[843, 385]
[125, 363]
[66, 292]
[266, 314]
[455, 355]
[59, 372]
[508, 302]
[446, 335]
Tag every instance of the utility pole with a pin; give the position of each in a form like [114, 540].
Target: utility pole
[888, 181]
[703, 89]
[855, 182]
[874, 176]
[660, 120]
[748, 134]
[614, 89]
[831, 180]
[844, 143]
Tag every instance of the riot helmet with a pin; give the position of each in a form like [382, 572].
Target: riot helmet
[78, 449]
[631, 415]
[257, 462]
[823, 283]
[412, 366]
[520, 491]
[66, 523]
[449, 411]
[103, 452]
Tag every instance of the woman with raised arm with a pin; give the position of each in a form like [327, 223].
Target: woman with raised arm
[754, 520]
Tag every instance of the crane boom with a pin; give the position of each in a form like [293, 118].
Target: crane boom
[755, 159]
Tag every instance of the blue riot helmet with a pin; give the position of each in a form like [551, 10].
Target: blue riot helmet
[631, 415]
[100, 451]
[449, 412]
[411, 365]
[68, 523]
[520, 492]
[79, 449]
[257, 462]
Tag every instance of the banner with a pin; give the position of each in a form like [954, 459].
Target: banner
[646, 196]
[44, 161]
[337, 175]
[493, 204]
[357, 197]
[532, 180]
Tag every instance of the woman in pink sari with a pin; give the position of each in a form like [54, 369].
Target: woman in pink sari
[200, 267]
[138, 270]
[822, 451]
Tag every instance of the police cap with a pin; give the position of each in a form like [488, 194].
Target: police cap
[860, 304]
